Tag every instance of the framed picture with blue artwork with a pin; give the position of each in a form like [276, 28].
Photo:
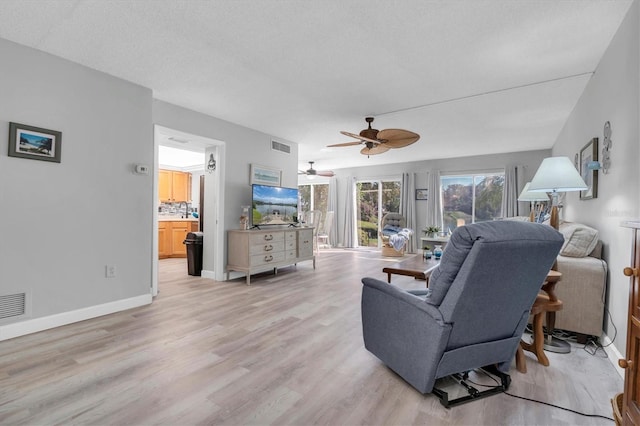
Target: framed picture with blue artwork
[34, 143]
[588, 159]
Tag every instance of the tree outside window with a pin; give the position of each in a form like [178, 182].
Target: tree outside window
[471, 198]
[314, 197]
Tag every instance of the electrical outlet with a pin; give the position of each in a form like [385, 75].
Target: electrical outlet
[110, 271]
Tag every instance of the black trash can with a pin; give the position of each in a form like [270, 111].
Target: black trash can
[194, 253]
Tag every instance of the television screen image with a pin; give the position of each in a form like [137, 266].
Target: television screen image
[274, 205]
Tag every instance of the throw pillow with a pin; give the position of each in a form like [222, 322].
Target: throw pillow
[579, 239]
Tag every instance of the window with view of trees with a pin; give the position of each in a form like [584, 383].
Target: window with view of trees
[375, 198]
[314, 197]
[473, 198]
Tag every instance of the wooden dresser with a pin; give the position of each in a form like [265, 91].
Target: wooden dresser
[631, 399]
[262, 250]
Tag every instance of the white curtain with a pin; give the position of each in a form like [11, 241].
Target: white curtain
[347, 214]
[434, 206]
[513, 176]
[408, 208]
[332, 205]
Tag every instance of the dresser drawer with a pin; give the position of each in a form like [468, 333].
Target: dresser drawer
[290, 244]
[266, 247]
[290, 254]
[266, 237]
[265, 259]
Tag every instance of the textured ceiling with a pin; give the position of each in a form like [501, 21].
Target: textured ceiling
[471, 77]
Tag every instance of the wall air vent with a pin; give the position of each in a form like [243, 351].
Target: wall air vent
[279, 146]
[13, 305]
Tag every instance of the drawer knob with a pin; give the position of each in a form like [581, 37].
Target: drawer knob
[268, 258]
[268, 247]
[625, 363]
[268, 237]
[630, 272]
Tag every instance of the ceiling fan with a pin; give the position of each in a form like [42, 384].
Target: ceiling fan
[378, 141]
[311, 172]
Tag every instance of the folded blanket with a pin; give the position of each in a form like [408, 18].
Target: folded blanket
[398, 240]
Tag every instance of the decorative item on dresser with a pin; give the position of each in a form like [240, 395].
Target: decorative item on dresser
[631, 397]
[254, 251]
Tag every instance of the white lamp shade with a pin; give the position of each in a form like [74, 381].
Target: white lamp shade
[557, 174]
[527, 195]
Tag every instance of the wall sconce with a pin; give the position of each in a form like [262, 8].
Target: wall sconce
[606, 148]
[211, 165]
[594, 165]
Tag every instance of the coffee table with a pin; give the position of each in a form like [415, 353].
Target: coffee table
[415, 266]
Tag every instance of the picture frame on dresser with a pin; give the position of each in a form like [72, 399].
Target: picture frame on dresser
[264, 175]
[34, 143]
[589, 157]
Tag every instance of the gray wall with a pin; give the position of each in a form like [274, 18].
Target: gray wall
[62, 223]
[612, 95]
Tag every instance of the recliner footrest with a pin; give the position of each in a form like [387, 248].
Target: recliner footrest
[473, 393]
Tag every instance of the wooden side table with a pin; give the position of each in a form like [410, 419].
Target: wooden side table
[547, 305]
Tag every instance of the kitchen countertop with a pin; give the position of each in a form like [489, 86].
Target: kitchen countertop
[169, 218]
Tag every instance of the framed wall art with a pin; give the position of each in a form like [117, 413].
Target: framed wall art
[421, 194]
[263, 175]
[589, 155]
[34, 143]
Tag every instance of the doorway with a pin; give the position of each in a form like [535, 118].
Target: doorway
[191, 153]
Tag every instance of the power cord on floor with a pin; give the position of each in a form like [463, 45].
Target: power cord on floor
[535, 400]
[592, 345]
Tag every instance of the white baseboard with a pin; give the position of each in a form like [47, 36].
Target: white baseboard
[208, 274]
[612, 353]
[9, 331]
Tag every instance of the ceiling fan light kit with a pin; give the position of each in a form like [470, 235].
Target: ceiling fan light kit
[379, 141]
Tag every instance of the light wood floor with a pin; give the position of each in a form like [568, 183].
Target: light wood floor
[286, 350]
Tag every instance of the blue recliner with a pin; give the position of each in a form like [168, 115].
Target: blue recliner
[474, 312]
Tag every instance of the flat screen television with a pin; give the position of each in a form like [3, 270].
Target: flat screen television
[273, 205]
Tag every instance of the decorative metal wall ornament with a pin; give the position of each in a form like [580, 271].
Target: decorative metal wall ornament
[211, 165]
[606, 148]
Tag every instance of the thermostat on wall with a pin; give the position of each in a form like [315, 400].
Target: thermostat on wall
[141, 169]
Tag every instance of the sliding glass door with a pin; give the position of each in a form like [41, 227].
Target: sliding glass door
[375, 198]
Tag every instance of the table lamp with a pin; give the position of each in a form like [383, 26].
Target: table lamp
[555, 175]
[533, 197]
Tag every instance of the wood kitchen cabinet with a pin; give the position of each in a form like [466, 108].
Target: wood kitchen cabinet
[163, 240]
[179, 232]
[171, 236]
[174, 186]
[631, 398]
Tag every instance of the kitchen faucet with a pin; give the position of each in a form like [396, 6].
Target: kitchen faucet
[186, 209]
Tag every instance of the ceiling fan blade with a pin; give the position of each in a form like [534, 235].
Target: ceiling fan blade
[325, 173]
[398, 138]
[362, 138]
[379, 149]
[346, 144]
